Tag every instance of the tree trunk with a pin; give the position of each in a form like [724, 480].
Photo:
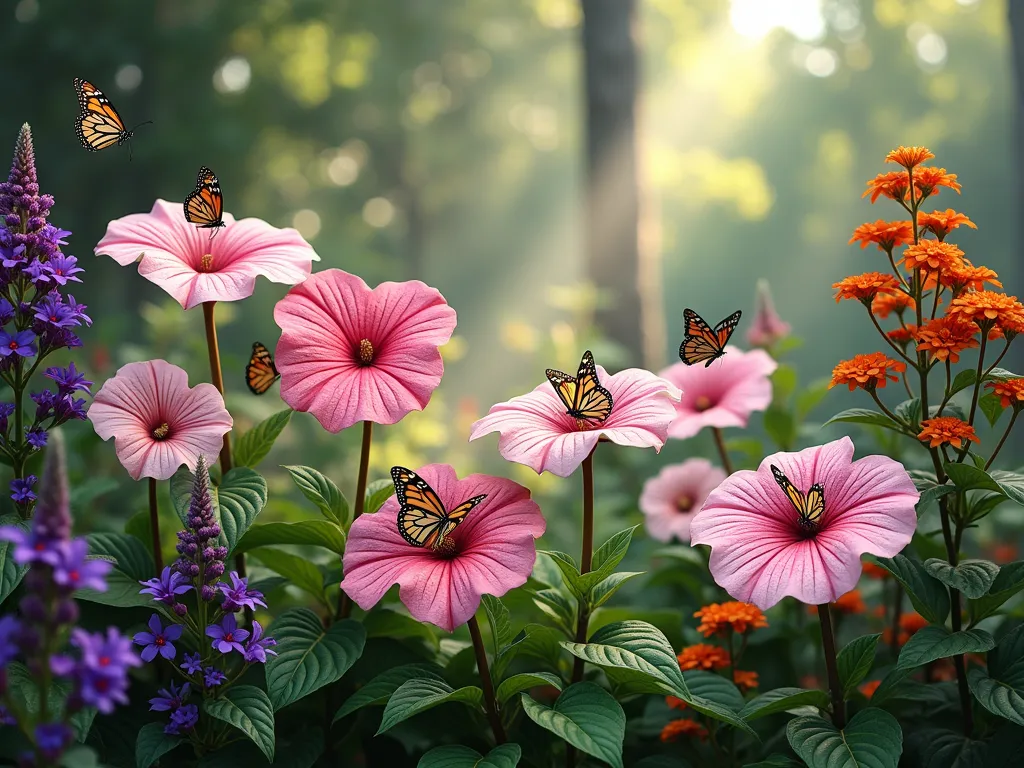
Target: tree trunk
[611, 211]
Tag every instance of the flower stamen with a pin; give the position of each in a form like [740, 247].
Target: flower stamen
[161, 432]
[206, 263]
[365, 352]
[702, 403]
[684, 503]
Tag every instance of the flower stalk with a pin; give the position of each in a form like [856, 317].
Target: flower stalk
[490, 703]
[723, 451]
[344, 601]
[154, 525]
[828, 644]
[586, 559]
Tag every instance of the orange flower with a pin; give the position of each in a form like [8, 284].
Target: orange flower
[910, 623]
[908, 157]
[968, 276]
[885, 234]
[893, 185]
[928, 180]
[865, 287]
[677, 728]
[1010, 391]
[703, 656]
[946, 337]
[903, 335]
[675, 703]
[869, 688]
[747, 681]
[875, 571]
[867, 371]
[946, 429]
[932, 255]
[851, 602]
[941, 223]
[988, 308]
[1004, 552]
[897, 302]
[878, 611]
[718, 618]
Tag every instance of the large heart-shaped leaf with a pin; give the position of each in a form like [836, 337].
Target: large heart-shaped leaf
[586, 716]
[322, 491]
[254, 445]
[872, 739]
[714, 687]
[855, 661]
[11, 573]
[933, 643]
[421, 694]
[317, 533]
[1007, 583]
[1000, 689]
[379, 690]
[454, 756]
[300, 571]
[241, 496]
[249, 710]
[130, 555]
[928, 595]
[783, 700]
[971, 577]
[309, 656]
[524, 682]
[152, 744]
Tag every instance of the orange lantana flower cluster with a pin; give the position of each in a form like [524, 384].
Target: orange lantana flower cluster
[909, 157]
[946, 430]
[885, 234]
[733, 616]
[884, 303]
[868, 372]
[1010, 392]
[678, 728]
[849, 602]
[941, 223]
[865, 287]
[946, 337]
[988, 309]
[933, 255]
[703, 656]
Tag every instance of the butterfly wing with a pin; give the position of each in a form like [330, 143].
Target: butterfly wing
[591, 400]
[98, 125]
[204, 206]
[725, 328]
[796, 498]
[815, 504]
[565, 387]
[260, 373]
[700, 342]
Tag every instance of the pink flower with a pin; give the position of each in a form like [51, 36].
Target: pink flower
[157, 422]
[767, 328]
[348, 353]
[670, 500]
[494, 550]
[535, 429]
[722, 395]
[761, 552]
[182, 259]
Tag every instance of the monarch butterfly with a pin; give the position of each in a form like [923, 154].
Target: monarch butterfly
[702, 342]
[810, 506]
[583, 396]
[422, 519]
[204, 205]
[260, 373]
[99, 125]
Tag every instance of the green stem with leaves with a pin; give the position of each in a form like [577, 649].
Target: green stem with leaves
[828, 645]
[490, 703]
[344, 601]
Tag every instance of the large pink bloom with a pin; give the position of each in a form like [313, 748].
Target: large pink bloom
[494, 551]
[536, 431]
[759, 551]
[722, 395]
[181, 258]
[348, 353]
[671, 499]
[157, 422]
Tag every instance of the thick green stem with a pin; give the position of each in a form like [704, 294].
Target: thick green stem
[956, 620]
[154, 525]
[344, 602]
[490, 704]
[828, 644]
[586, 560]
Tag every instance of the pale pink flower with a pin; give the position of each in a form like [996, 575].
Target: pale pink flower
[761, 553]
[158, 423]
[192, 268]
[494, 551]
[535, 429]
[722, 395]
[348, 353]
[767, 328]
[671, 499]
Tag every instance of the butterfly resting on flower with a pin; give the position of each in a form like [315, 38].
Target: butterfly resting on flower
[809, 506]
[582, 395]
[423, 519]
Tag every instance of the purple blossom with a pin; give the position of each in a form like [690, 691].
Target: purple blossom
[170, 698]
[31, 546]
[45, 401]
[79, 310]
[238, 595]
[22, 343]
[197, 546]
[192, 664]
[67, 408]
[213, 677]
[183, 719]
[109, 654]
[6, 312]
[227, 636]
[69, 379]
[21, 488]
[62, 269]
[159, 639]
[6, 411]
[9, 630]
[75, 571]
[52, 311]
[36, 272]
[12, 255]
[258, 647]
[36, 437]
[101, 676]
[166, 587]
[52, 739]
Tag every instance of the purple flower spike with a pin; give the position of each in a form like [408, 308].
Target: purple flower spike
[258, 647]
[192, 664]
[159, 639]
[183, 719]
[166, 587]
[227, 636]
[74, 571]
[62, 269]
[36, 437]
[69, 379]
[22, 343]
[238, 595]
[213, 677]
[101, 677]
[9, 629]
[52, 311]
[171, 698]
[21, 489]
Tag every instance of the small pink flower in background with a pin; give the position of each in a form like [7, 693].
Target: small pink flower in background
[157, 422]
[761, 553]
[494, 551]
[348, 353]
[722, 395]
[768, 328]
[536, 431]
[181, 258]
[672, 498]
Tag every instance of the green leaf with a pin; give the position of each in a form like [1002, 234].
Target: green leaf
[122, 592]
[241, 496]
[129, 554]
[608, 556]
[782, 700]
[855, 661]
[934, 642]
[454, 756]
[714, 687]
[963, 380]
[323, 492]
[317, 533]
[380, 688]
[309, 656]
[382, 622]
[967, 477]
[783, 382]
[808, 399]
[300, 571]
[559, 606]
[254, 445]
[499, 621]
[152, 744]
[1000, 689]
[569, 570]
[1008, 583]
[776, 761]
[972, 577]
[872, 739]
[1011, 483]
[603, 590]
[992, 406]
[415, 696]
[910, 412]
[249, 710]
[524, 682]
[181, 493]
[377, 493]
[586, 716]
[780, 425]
[864, 416]
[928, 596]
[11, 573]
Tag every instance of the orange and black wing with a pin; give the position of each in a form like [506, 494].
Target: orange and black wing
[700, 342]
[565, 387]
[725, 328]
[204, 205]
[592, 401]
[98, 125]
[809, 506]
[260, 373]
[423, 520]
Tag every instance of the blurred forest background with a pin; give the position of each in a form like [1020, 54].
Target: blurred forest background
[448, 141]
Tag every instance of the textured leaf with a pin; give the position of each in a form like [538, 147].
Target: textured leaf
[714, 687]
[608, 556]
[524, 682]
[1011, 484]
[864, 416]
[972, 577]
[249, 710]
[586, 716]
[933, 642]
[603, 590]
[782, 700]
[152, 744]
[380, 688]
[308, 656]
[872, 739]
[11, 573]
[122, 592]
[254, 445]
[1000, 689]
[377, 493]
[300, 571]
[1007, 583]
[855, 661]
[241, 496]
[499, 620]
[129, 554]
[992, 406]
[928, 596]
[323, 492]
[941, 748]
[454, 756]
[415, 696]
[317, 533]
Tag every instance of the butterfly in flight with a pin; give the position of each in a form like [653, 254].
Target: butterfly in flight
[583, 396]
[702, 342]
[99, 125]
[260, 373]
[810, 506]
[423, 520]
[204, 205]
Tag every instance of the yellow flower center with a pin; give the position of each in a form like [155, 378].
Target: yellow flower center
[684, 503]
[206, 263]
[365, 352]
[161, 432]
[702, 403]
